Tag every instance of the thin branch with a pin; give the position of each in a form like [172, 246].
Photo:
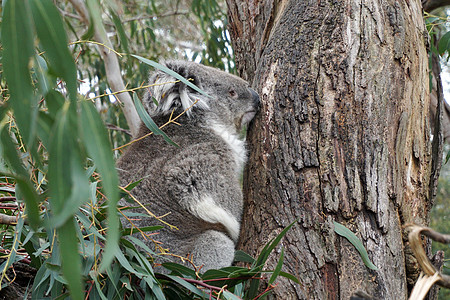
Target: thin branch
[7, 198]
[162, 126]
[112, 68]
[8, 220]
[415, 242]
[147, 17]
[114, 127]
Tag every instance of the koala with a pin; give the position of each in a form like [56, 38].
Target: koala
[196, 186]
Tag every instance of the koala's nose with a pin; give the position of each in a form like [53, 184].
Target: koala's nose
[255, 97]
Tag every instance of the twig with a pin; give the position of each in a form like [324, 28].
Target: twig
[146, 209]
[8, 220]
[432, 275]
[114, 127]
[203, 284]
[162, 126]
[112, 68]
[7, 198]
[8, 206]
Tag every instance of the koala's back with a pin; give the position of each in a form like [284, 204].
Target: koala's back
[194, 186]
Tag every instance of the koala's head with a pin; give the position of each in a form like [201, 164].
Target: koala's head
[231, 101]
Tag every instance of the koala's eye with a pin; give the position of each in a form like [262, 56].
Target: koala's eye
[233, 94]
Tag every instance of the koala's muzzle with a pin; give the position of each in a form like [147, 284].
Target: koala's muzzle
[251, 112]
[255, 96]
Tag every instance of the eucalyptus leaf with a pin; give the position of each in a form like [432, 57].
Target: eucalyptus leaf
[148, 121]
[444, 43]
[52, 36]
[240, 255]
[95, 139]
[355, 241]
[71, 261]
[120, 30]
[41, 70]
[23, 182]
[190, 287]
[171, 73]
[277, 270]
[18, 48]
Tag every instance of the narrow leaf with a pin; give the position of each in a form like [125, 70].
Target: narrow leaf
[71, 261]
[52, 36]
[171, 73]
[179, 268]
[444, 43]
[277, 270]
[355, 241]
[95, 139]
[244, 257]
[290, 276]
[188, 286]
[59, 172]
[148, 121]
[122, 35]
[41, 70]
[262, 258]
[230, 296]
[18, 42]
[23, 182]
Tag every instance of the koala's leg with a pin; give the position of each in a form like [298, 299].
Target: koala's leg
[214, 250]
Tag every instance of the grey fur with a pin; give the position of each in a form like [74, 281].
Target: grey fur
[197, 184]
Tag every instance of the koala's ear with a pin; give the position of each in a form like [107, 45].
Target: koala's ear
[172, 94]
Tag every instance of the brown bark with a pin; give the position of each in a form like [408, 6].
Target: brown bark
[343, 134]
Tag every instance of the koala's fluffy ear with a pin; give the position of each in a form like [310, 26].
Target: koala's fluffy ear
[172, 94]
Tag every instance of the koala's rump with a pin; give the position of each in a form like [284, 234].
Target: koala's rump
[174, 183]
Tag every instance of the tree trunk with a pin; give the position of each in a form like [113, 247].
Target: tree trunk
[343, 134]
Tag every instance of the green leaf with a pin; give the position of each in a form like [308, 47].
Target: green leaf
[127, 231]
[242, 256]
[290, 276]
[125, 263]
[68, 183]
[18, 48]
[180, 269]
[148, 121]
[13, 257]
[262, 258]
[71, 261]
[188, 286]
[95, 139]
[41, 70]
[230, 296]
[277, 270]
[21, 176]
[171, 73]
[353, 239]
[132, 185]
[52, 36]
[122, 35]
[444, 43]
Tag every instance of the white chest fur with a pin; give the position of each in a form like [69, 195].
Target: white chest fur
[232, 139]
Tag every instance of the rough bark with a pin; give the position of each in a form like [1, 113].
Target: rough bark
[343, 134]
